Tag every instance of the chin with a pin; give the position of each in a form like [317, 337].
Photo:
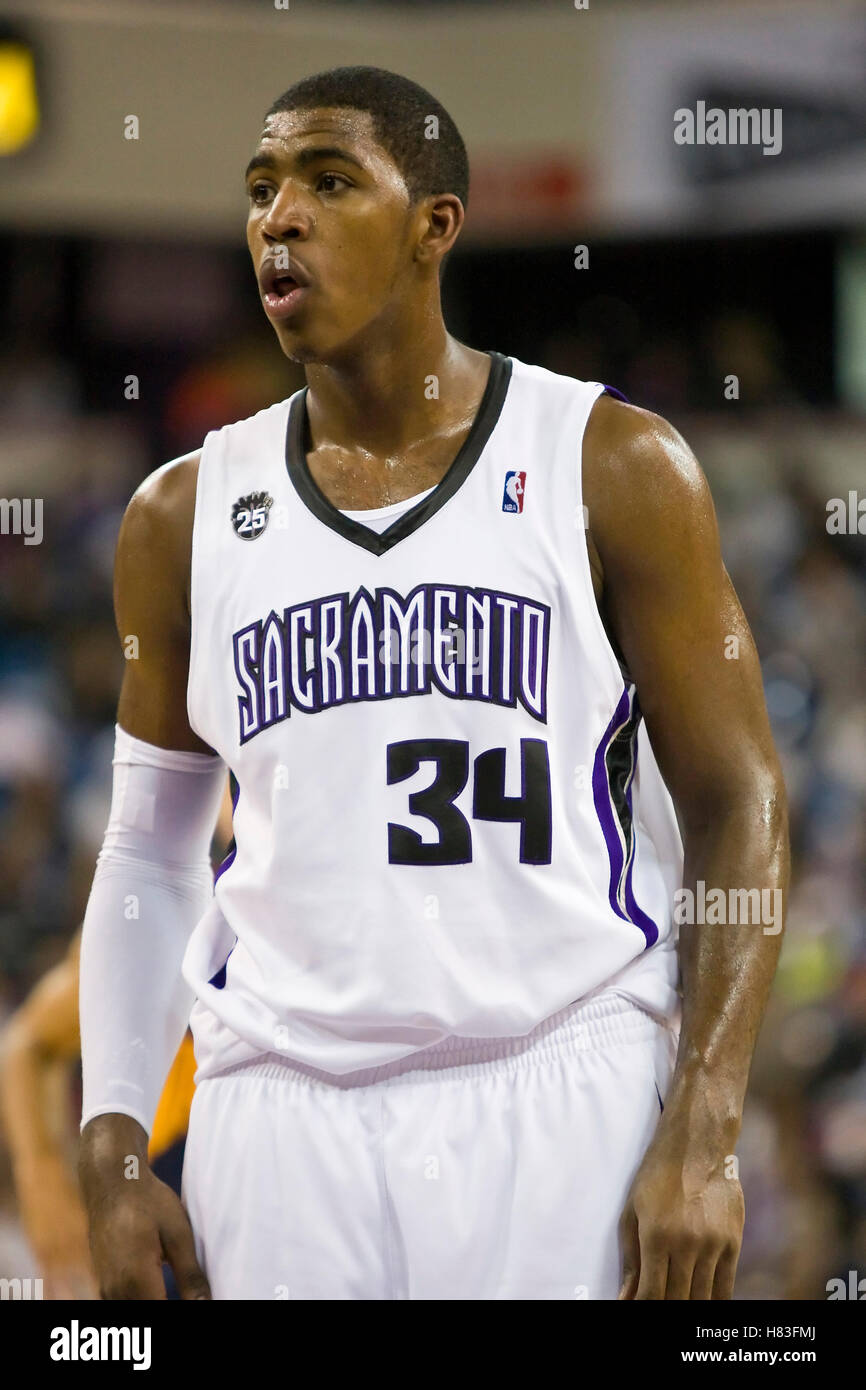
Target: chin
[300, 348]
[300, 353]
[296, 350]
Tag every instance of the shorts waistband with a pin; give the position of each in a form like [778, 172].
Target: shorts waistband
[586, 1025]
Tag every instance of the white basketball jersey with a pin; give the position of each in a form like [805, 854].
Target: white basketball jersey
[448, 817]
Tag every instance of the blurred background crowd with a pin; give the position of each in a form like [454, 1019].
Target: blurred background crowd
[120, 349]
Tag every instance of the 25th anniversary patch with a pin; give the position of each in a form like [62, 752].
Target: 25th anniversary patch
[250, 515]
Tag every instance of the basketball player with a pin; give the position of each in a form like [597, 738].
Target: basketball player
[434, 993]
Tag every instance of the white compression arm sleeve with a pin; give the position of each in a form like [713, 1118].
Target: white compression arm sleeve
[153, 881]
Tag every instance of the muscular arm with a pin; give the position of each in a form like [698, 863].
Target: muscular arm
[136, 1222]
[151, 605]
[676, 618]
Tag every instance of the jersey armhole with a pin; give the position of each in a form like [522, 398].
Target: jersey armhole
[622, 679]
[616, 393]
[198, 531]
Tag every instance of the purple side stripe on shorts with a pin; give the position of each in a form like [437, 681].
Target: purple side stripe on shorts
[612, 775]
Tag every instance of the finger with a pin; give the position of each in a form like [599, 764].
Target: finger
[679, 1281]
[703, 1276]
[726, 1270]
[179, 1248]
[630, 1254]
[653, 1273]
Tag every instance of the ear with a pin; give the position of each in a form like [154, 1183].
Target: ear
[442, 217]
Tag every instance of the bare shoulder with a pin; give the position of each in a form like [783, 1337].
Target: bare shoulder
[641, 480]
[627, 440]
[155, 538]
[152, 606]
[166, 497]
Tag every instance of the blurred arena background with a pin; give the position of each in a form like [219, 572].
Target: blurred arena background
[722, 286]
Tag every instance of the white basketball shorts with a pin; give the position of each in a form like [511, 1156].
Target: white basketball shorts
[475, 1169]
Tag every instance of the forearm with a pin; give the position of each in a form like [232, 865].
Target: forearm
[152, 884]
[135, 1003]
[727, 966]
[23, 1076]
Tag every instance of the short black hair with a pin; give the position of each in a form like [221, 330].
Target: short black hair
[400, 111]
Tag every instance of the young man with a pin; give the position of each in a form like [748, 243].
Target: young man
[419, 609]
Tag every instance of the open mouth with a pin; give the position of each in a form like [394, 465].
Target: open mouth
[283, 295]
[282, 290]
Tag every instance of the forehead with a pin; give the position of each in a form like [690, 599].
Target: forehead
[286, 132]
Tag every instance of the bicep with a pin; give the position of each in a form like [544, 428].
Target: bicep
[152, 618]
[680, 625]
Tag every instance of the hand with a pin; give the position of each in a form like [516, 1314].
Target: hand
[54, 1222]
[136, 1222]
[682, 1226]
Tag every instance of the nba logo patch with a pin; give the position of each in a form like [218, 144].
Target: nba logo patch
[512, 497]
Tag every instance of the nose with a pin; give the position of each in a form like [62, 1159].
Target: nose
[286, 217]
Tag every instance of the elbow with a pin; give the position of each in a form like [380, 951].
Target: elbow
[754, 795]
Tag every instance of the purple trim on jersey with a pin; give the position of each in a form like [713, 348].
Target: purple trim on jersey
[230, 857]
[612, 391]
[617, 824]
[601, 798]
[218, 980]
[226, 864]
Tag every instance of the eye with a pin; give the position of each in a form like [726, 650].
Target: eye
[253, 194]
[340, 177]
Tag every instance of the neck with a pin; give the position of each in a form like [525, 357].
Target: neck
[380, 399]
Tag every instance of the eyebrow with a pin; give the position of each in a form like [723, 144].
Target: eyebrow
[311, 154]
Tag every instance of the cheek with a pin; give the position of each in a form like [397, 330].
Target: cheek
[374, 270]
[357, 281]
[375, 243]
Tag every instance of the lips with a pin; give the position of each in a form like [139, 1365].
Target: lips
[279, 280]
[283, 289]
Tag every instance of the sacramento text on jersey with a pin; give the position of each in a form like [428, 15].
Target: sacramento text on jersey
[468, 643]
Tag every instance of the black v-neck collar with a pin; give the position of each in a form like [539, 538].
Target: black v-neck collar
[298, 442]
